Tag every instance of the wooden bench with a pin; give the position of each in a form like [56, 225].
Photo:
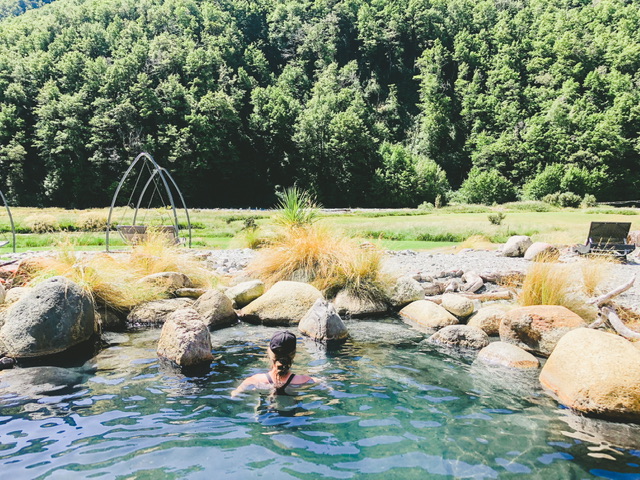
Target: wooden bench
[134, 234]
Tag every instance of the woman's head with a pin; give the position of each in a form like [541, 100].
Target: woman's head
[282, 349]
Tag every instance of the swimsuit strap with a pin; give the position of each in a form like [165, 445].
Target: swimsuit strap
[269, 378]
[286, 384]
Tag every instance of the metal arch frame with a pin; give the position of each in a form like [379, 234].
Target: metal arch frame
[163, 174]
[13, 228]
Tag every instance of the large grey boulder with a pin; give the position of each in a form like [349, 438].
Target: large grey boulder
[216, 309]
[507, 355]
[322, 323]
[428, 314]
[357, 307]
[457, 305]
[538, 328]
[405, 291]
[244, 293]
[54, 316]
[185, 339]
[283, 304]
[3, 293]
[595, 373]
[516, 246]
[14, 294]
[157, 311]
[461, 336]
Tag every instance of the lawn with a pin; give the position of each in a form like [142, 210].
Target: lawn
[41, 229]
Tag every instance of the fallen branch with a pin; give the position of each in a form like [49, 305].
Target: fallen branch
[618, 325]
[602, 299]
[483, 297]
[473, 282]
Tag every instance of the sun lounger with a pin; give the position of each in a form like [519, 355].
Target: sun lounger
[607, 238]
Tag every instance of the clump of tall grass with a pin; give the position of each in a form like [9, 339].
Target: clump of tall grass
[305, 251]
[478, 242]
[114, 282]
[296, 208]
[552, 283]
[42, 223]
[91, 222]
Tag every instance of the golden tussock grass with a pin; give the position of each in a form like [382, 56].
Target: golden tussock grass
[329, 261]
[551, 283]
[477, 242]
[114, 281]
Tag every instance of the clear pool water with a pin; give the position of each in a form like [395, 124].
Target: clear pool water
[386, 410]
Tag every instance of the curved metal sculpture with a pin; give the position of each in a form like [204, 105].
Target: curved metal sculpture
[163, 175]
[13, 228]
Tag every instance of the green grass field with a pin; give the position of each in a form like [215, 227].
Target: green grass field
[43, 229]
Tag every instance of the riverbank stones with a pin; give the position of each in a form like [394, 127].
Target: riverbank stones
[286, 303]
[356, 307]
[322, 323]
[507, 355]
[157, 311]
[185, 339]
[54, 316]
[428, 314]
[596, 373]
[538, 328]
[457, 305]
[244, 293]
[460, 336]
[216, 309]
[488, 319]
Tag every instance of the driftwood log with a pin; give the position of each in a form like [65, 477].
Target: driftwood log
[602, 299]
[618, 325]
[483, 297]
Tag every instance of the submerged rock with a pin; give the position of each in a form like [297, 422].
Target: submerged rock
[383, 333]
[54, 316]
[595, 373]
[185, 339]
[460, 336]
[507, 355]
[157, 311]
[428, 314]
[283, 304]
[538, 328]
[216, 309]
[322, 323]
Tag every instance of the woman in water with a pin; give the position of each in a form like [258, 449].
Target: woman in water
[281, 351]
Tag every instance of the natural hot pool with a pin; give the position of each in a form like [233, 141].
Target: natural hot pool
[389, 409]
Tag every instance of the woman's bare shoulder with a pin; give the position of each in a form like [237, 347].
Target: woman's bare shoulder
[302, 379]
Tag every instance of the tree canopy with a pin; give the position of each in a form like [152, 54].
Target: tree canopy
[362, 102]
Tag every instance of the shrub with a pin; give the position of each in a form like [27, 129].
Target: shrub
[565, 178]
[426, 206]
[552, 199]
[42, 223]
[496, 218]
[569, 199]
[406, 179]
[486, 187]
[588, 201]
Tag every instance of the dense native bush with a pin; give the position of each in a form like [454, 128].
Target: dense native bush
[558, 178]
[408, 180]
[486, 187]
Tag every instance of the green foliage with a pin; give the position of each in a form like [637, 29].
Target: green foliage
[363, 103]
[588, 201]
[406, 180]
[486, 187]
[563, 199]
[296, 208]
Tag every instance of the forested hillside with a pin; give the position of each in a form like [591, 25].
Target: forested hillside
[12, 8]
[364, 102]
